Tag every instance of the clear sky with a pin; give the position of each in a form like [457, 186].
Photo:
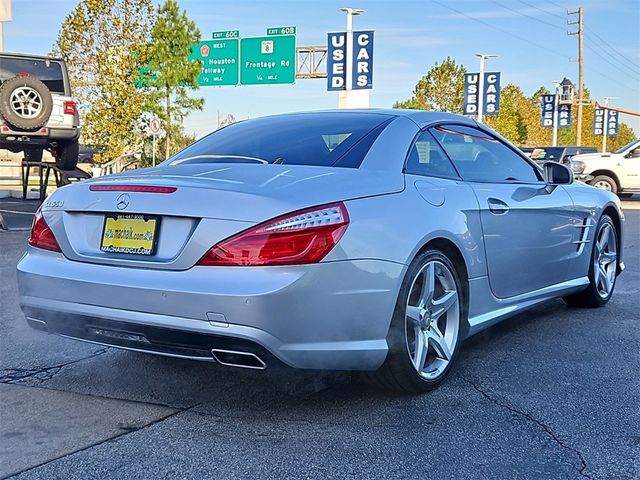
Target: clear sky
[529, 38]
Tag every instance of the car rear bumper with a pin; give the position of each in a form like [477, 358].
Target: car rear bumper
[332, 315]
[39, 137]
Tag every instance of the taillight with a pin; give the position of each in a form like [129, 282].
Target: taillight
[41, 234]
[302, 237]
[70, 107]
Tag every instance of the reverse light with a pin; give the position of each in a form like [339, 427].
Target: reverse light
[70, 107]
[41, 235]
[297, 238]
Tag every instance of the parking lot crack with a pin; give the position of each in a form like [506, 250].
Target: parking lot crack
[546, 428]
[125, 430]
[42, 374]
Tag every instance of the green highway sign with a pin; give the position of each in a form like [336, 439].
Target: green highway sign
[219, 61]
[268, 60]
[226, 34]
[281, 31]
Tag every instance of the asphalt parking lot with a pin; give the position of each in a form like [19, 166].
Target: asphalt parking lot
[553, 393]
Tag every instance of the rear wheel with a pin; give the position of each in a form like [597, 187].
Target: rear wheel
[605, 183]
[425, 331]
[67, 156]
[602, 270]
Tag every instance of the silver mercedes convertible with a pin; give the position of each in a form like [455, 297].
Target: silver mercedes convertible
[373, 240]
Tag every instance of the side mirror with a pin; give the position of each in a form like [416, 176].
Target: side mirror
[556, 174]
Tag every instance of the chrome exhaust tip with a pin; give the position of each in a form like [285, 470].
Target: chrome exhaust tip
[232, 358]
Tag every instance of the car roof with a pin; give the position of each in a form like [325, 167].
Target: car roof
[422, 118]
[30, 56]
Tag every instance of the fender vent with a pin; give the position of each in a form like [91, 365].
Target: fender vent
[584, 234]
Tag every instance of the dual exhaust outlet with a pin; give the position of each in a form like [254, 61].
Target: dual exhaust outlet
[233, 358]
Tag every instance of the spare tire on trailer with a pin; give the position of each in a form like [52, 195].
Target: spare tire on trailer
[25, 103]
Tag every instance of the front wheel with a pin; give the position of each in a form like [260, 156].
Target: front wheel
[425, 331]
[605, 182]
[603, 268]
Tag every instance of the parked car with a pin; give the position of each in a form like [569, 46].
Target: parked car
[556, 154]
[37, 111]
[617, 172]
[349, 240]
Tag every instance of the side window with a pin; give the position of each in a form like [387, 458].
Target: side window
[481, 158]
[426, 157]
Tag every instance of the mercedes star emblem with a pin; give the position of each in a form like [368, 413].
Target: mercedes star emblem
[123, 201]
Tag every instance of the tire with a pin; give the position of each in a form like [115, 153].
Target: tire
[33, 154]
[67, 156]
[599, 291]
[605, 183]
[412, 321]
[25, 103]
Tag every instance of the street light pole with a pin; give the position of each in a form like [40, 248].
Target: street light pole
[483, 57]
[348, 80]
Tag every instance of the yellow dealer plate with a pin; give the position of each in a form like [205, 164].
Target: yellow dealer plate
[130, 234]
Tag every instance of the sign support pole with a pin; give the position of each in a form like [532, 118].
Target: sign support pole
[153, 154]
[350, 98]
[554, 141]
[483, 57]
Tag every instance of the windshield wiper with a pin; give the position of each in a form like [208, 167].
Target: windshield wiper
[214, 158]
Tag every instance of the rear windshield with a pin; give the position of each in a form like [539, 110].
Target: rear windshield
[320, 139]
[49, 72]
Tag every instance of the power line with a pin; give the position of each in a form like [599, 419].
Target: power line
[613, 80]
[631, 62]
[556, 4]
[631, 76]
[542, 10]
[522, 14]
[635, 72]
[502, 30]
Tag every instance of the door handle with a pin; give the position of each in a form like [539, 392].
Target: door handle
[497, 206]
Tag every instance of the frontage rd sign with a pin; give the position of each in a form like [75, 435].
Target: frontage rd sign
[268, 60]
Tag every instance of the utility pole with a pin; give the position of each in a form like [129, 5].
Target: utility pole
[580, 33]
[5, 16]
[483, 57]
[556, 101]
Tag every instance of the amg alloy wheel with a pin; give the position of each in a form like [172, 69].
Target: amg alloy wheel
[425, 331]
[432, 319]
[603, 268]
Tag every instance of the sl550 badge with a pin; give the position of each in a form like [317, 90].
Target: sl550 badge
[53, 204]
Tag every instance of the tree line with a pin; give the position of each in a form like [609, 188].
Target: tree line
[129, 61]
[519, 120]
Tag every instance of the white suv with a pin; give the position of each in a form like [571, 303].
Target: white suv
[37, 112]
[618, 172]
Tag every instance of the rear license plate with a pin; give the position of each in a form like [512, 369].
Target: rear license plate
[130, 234]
